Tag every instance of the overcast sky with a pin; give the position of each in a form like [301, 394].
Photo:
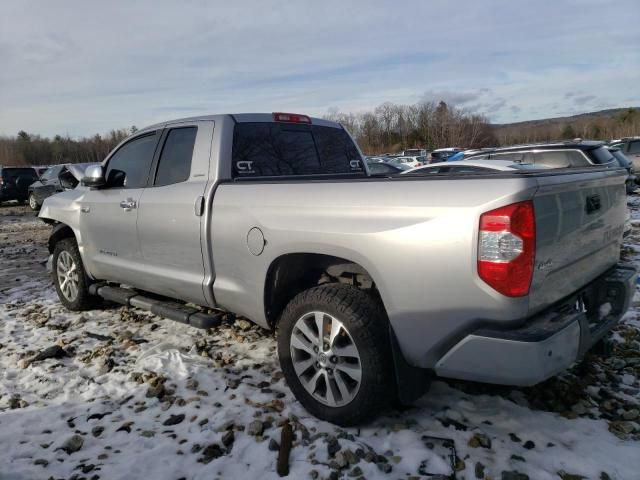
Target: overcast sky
[81, 67]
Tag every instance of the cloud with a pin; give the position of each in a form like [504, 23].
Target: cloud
[582, 99]
[454, 97]
[79, 69]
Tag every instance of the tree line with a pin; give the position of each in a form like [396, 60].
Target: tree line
[391, 127]
[31, 149]
[387, 128]
[430, 125]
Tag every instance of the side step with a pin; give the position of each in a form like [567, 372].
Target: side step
[171, 310]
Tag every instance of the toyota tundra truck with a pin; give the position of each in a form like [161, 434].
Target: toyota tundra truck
[373, 284]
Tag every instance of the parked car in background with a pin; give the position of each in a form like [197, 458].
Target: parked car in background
[573, 153]
[630, 146]
[15, 181]
[45, 186]
[55, 179]
[414, 152]
[442, 154]
[627, 164]
[462, 167]
[410, 161]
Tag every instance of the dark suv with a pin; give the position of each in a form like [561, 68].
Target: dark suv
[15, 181]
[574, 153]
[630, 146]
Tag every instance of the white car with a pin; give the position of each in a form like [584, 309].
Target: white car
[472, 166]
[410, 161]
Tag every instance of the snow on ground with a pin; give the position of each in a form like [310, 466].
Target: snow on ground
[130, 395]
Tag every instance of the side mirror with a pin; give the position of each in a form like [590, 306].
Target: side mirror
[93, 176]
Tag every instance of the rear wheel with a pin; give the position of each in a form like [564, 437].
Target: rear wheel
[33, 203]
[69, 277]
[334, 352]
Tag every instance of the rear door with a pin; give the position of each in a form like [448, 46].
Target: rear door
[109, 214]
[170, 221]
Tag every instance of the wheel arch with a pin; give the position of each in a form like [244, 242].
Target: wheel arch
[291, 273]
[59, 232]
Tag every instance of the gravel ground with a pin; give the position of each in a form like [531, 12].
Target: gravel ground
[121, 394]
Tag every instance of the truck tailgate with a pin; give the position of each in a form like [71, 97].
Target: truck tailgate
[579, 225]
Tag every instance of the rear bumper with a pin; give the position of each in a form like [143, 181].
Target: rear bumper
[547, 343]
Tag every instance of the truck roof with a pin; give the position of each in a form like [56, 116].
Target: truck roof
[241, 118]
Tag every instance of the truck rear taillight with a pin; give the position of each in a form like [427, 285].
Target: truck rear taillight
[290, 118]
[506, 248]
[1, 181]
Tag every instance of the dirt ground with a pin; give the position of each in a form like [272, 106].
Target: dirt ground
[120, 393]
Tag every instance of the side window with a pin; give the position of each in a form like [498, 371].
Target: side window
[634, 148]
[174, 165]
[577, 159]
[129, 166]
[552, 159]
[517, 157]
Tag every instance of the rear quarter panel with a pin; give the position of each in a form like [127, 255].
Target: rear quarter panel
[416, 238]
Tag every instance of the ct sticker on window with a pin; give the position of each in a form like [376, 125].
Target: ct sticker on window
[355, 165]
[244, 166]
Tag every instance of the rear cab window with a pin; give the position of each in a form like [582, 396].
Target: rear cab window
[271, 149]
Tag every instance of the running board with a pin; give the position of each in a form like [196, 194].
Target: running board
[171, 310]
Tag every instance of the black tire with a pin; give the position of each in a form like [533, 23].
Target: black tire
[33, 203]
[366, 322]
[83, 300]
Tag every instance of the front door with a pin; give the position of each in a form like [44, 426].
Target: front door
[170, 220]
[108, 215]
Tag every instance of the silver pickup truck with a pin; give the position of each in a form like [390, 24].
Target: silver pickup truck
[373, 284]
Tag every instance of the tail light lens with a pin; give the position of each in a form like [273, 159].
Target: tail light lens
[1, 181]
[506, 248]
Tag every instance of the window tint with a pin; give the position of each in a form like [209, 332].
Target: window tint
[634, 148]
[129, 166]
[279, 149]
[174, 165]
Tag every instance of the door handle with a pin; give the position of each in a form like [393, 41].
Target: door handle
[128, 204]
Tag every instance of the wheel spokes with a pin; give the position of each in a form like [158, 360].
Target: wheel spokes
[325, 358]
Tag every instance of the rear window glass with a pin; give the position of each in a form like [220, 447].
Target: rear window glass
[601, 155]
[282, 149]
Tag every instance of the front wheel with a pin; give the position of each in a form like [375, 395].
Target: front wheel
[335, 354]
[33, 203]
[69, 277]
